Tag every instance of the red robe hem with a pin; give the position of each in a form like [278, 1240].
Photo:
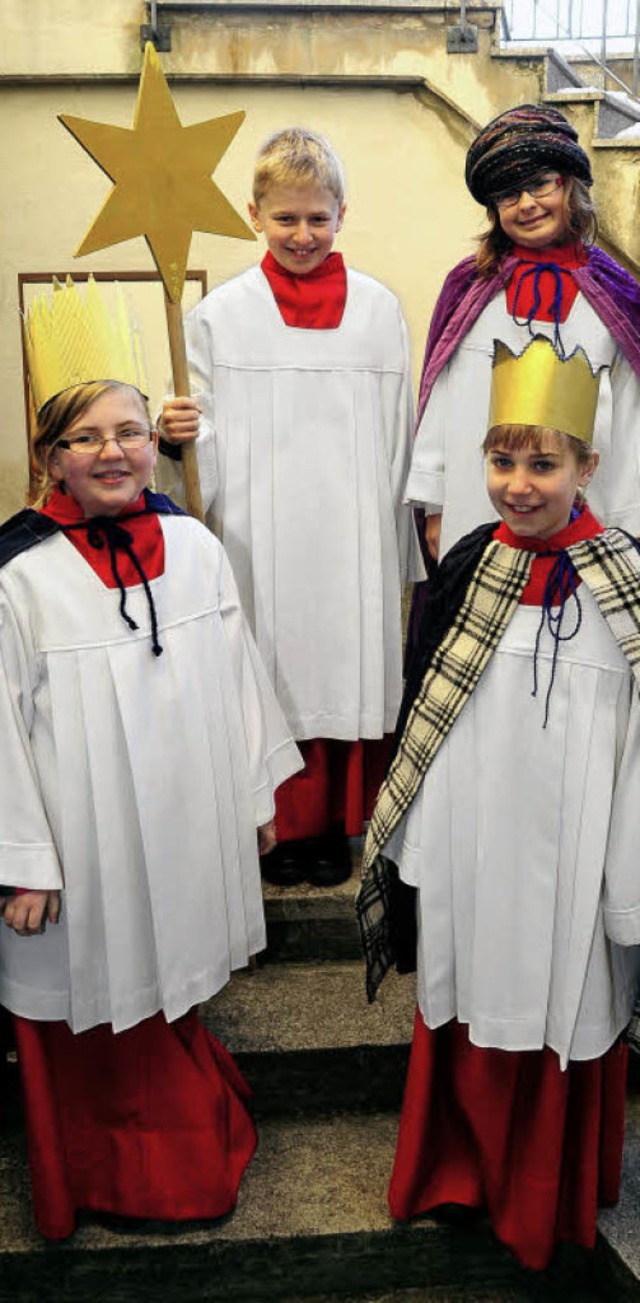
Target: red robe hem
[507, 1131]
[149, 1123]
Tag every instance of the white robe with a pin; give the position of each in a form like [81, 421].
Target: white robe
[136, 781]
[303, 453]
[447, 469]
[523, 842]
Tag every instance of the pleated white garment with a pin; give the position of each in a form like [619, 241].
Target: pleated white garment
[303, 452]
[447, 470]
[523, 842]
[144, 777]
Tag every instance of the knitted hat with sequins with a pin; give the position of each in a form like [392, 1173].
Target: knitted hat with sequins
[519, 143]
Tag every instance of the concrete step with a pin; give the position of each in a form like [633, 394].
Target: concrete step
[306, 922]
[311, 1221]
[548, 1291]
[615, 111]
[621, 1225]
[308, 1042]
[505, 1295]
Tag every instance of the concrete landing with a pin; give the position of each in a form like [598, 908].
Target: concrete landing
[311, 1214]
[308, 1042]
[620, 1226]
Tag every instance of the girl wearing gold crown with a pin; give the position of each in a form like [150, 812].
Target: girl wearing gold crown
[141, 748]
[538, 271]
[507, 828]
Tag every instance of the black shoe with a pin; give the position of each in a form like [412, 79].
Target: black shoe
[329, 859]
[284, 866]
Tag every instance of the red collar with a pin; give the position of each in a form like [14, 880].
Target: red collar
[145, 529]
[584, 526]
[312, 302]
[568, 255]
[521, 290]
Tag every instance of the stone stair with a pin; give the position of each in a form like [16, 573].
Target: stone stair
[311, 1222]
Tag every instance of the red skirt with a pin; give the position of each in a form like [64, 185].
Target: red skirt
[338, 785]
[151, 1123]
[507, 1131]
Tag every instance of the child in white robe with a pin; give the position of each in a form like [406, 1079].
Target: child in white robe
[511, 810]
[141, 746]
[536, 270]
[302, 371]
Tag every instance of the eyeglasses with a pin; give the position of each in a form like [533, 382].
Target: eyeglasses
[538, 187]
[94, 443]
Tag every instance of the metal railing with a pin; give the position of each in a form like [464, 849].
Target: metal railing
[594, 23]
[601, 29]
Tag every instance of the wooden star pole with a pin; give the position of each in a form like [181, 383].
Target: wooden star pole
[163, 190]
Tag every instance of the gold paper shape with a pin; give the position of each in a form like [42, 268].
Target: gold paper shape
[162, 178]
[541, 388]
[71, 339]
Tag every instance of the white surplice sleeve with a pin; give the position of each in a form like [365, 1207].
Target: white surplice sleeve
[273, 755]
[403, 421]
[28, 856]
[622, 868]
[425, 484]
[615, 493]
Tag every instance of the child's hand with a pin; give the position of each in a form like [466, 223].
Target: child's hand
[27, 913]
[432, 535]
[180, 419]
[267, 837]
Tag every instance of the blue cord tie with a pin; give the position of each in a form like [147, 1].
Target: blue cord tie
[536, 270]
[561, 584]
[101, 529]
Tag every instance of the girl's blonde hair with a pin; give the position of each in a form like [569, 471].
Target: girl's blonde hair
[297, 157]
[513, 438]
[52, 422]
[581, 224]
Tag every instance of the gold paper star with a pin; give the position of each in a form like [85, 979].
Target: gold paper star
[162, 178]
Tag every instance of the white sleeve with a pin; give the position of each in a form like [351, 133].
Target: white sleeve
[169, 478]
[425, 485]
[403, 421]
[273, 755]
[28, 857]
[622, 870]
[614, 494]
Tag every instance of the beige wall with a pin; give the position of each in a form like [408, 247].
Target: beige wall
[400, 110]
[409, 216]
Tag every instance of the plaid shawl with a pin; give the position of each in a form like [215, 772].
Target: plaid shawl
[491, 599]
[610, 567]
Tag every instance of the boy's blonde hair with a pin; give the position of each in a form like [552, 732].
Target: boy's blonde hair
[53, 421]
[513, 438]
[297, 157]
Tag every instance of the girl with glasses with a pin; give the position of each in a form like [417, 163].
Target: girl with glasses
[536, 271]
[141, 746]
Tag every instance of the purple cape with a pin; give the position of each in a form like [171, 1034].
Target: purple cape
[611, 291]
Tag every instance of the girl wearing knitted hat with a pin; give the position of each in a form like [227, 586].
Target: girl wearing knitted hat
[536, 271]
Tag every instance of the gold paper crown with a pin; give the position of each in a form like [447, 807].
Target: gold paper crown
[73, 340]
[540, 388]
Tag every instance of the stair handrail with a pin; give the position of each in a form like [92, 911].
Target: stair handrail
[600, 62]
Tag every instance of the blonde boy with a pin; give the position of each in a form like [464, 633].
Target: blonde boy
[304, 423]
